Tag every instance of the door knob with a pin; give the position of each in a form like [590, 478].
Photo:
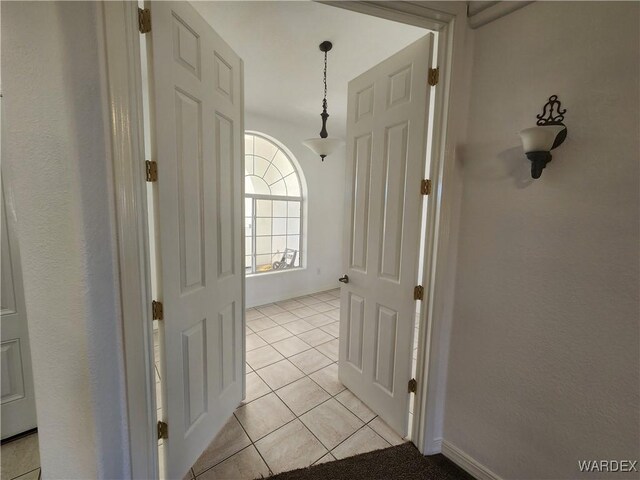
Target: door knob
[344, 279]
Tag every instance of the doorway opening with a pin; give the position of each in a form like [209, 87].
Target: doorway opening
[296, 411]
[19, 451]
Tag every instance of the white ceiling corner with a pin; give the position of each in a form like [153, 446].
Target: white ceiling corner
[278, 41]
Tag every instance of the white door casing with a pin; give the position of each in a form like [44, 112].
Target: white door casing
[197, 115]
[18, 399]
[386, 155]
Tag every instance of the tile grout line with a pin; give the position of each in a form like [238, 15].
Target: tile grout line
[295, 354]
[296, 417]
[224, 459]
[271, 390]
[329, 450]
[24, 473]
[304, 375]
[304, 424]
[253, 444]
[308, 376]
[366, 424]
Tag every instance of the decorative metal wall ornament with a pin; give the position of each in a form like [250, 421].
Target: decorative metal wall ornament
[549, 134]
[324, 145]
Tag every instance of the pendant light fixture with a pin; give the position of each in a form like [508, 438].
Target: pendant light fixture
[324, 145]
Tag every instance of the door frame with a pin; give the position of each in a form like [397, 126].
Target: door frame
[121, 48]
[428, 410]
[123, 85]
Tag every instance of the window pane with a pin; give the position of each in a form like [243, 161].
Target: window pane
[271, 226]
[253, 184]
[263, 263]
[248, 144]
[263, 226]
[279, 208]
[283, 163]
[263, 245]
[279, 188]
[279, 226]
[272, 175]
[264, 148]
[261, 166]
[293, 241]
[279, 244]
[248, 185]
[264, 208]
[293, 187]
[294, 209]
[293, 226]
[248, 164]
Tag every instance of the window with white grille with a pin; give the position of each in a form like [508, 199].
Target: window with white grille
[273, 207]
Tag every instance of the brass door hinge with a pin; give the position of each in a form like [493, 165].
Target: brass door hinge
[163, 430]
[413, 386]
[144, 20]
[156, 310]
[418, 292]
[152, 171]
[425, 187]
[434, 76]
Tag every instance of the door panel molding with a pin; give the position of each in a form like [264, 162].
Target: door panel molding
[12, 372]
[360, 199]
[17, 396]
[398, 129]
[439, 258]
[123, 87]
[198, 146]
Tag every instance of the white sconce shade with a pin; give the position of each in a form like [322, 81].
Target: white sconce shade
[541, 138]
[322, 146]
[549, 133]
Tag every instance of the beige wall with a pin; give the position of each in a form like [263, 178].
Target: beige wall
[322, 247]
[56, 164]
[544, 355]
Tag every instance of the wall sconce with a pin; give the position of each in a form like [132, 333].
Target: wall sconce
[549, 133]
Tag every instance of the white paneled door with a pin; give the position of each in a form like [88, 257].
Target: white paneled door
[386, 151]
[198, 137]
[18, 401]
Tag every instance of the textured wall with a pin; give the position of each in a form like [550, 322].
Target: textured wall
[56, 164]
[544, 358]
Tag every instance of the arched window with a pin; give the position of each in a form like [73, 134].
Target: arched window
[273, 207]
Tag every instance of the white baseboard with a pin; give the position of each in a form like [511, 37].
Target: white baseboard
[467, 462]
[289, 294]
[434, 447]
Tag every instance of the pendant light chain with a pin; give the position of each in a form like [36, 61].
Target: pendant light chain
[323, 146]
[324, 101]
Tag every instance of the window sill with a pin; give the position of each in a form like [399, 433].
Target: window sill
[274, 272]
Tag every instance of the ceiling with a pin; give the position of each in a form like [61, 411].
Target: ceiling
[278, 41]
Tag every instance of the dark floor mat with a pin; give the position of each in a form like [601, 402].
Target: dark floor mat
[401, 462]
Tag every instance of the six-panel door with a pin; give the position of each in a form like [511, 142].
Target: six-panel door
[198, 129]
[17, 397]
[386, 158]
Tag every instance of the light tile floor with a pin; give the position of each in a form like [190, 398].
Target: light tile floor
[292, 373]
[21, 459]
[297, 413]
